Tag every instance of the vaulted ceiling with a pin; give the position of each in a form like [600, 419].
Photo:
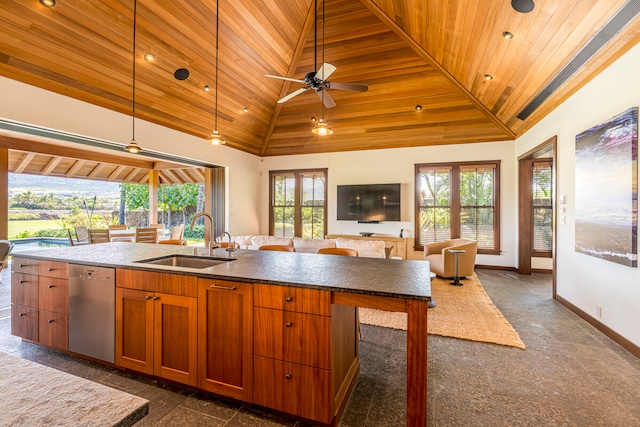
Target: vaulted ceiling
[433, 53]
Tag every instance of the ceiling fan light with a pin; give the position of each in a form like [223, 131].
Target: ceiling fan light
[322, 128]
[149, 57]
[215, 138]
[507, 35]
[48, 3]
[133, 147]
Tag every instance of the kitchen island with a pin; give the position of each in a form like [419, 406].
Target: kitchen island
[255, 301]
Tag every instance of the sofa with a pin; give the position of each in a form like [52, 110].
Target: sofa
[443, 263]
[365, 248]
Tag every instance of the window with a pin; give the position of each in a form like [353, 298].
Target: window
[542, 208]
[298, 203]
[458, 200]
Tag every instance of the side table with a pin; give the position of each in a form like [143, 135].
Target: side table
[456, 279]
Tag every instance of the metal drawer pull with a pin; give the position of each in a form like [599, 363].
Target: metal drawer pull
[228, 288]
[156, 298]
[22, 281]
[288, 376]
[288, 299]
[51, 286]
[51, 269]
[50, 321]
[148, 297]
[288, 324]
[23, 314]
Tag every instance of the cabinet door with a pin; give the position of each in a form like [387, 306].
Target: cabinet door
[307, 392]
[175, 338]
[268, 383]
[291, 388]
[24, 289]
[24, 322]
[225, 347]
[134, 330]
[53, 295]
[53, 330]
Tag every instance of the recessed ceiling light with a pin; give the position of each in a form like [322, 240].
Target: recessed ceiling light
[507, 35]
[48, 3]
[313, 119]
[206, 88]
[245, 110]
[150, 57]
[418, 107]
[488, 77]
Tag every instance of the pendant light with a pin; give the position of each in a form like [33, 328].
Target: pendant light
[322, 128]
[133, 147]
[215, 138]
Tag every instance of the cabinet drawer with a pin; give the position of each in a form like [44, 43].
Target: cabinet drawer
[24, 322]
[150, 281]
[53, 295]
[24, 289]
[53, 330]
[24, 265]
[294, 389]
[292, 299]
[293, 337]
[53, 269]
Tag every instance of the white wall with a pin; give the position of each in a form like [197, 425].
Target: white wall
[32, 105]
[398, 165]
[585, 281]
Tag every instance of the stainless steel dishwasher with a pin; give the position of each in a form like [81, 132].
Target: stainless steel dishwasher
[92, 307]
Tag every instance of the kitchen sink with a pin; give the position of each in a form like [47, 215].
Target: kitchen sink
[186, 261]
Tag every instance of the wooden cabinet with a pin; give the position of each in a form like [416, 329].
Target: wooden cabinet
[40, 301]
[156, 332]
[304, 358]
[225, 325]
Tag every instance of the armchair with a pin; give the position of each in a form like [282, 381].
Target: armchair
[443, 262]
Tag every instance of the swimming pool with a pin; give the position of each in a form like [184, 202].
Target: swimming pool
[34, 243]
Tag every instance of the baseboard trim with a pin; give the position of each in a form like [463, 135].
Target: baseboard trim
[616, 337]
[541, 270]
[495, 267]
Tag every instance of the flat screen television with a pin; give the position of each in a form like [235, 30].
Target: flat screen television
[369, 202]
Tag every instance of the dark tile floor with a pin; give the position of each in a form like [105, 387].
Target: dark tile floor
[569, 375]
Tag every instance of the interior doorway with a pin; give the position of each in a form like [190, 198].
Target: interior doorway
[537, 204]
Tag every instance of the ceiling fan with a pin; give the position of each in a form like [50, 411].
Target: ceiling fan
[317, 80]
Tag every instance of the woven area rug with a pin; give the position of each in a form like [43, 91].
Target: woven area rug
[464, 312]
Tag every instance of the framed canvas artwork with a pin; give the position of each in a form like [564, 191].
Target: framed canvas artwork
[606, 193]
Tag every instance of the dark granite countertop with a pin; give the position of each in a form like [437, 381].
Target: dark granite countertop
[408, 279]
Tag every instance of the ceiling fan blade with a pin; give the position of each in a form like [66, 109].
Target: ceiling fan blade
[292, 94]
[284, 78]
[358, 87]
[325, 71]
[326, 98]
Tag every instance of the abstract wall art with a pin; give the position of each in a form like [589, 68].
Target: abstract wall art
[606, 206]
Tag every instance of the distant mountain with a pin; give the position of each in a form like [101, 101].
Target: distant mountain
[19, 183]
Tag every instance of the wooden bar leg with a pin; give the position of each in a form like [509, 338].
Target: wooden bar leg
[417, 363]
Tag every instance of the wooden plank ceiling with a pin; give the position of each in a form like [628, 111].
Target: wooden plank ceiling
[56, 161]
[433, 53]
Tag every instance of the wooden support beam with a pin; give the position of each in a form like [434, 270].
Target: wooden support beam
[154, 185]
[75, 168]
[24, 162]
[115, 173]
[4, 193]
[55, 160]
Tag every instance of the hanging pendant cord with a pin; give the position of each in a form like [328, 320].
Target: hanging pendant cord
[323, 70]
[133, 97]
[217, 35]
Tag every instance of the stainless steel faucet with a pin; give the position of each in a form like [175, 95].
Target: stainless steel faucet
[209, 240]
[231, 246]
